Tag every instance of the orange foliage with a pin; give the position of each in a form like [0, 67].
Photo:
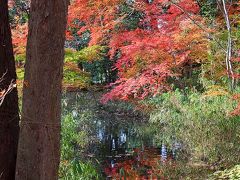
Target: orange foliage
[98, 16]
[19, 34]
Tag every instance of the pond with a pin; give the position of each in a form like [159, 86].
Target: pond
[116, 137]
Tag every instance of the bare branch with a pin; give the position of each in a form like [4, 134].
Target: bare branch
[4, 92]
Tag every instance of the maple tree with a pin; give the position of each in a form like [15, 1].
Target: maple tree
[163, 42]
[167, 39]
[170, 39]
[97, 16]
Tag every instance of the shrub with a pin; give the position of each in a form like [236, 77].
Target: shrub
[202, 123]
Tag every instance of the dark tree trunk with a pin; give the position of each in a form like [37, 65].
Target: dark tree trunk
[9, 117]
[39, 143]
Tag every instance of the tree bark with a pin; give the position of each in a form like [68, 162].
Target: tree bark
[39, 143]
[9, 116]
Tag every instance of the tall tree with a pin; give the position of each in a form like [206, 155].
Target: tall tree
[39, 143]
[164, 48]
[9, 117]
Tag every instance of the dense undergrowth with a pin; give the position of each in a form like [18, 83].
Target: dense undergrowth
[201, 122]
[72, 165]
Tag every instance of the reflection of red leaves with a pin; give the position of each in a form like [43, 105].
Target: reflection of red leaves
[148, 160]
[109, 171]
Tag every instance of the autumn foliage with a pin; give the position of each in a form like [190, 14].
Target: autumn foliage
[167, 39]
[96, 16]
[19, 34]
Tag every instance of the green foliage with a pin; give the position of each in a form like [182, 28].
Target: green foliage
[71, 137]
[213, 69]
[202, 122]
[71, 55]
[183, 170]
[76, 78]
[232, 174]
[94, 61]
[208, 8]
[19, 13]
[73, 76]
[101, 71]
[131, 21]
[92, 53]
[73, 142]
[20, 73]
[77, 127]
[88, 54]
[20, 58]
[76, 170]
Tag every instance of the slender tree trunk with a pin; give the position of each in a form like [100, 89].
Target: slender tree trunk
[9, 117]
[229, 47]
[39, 143]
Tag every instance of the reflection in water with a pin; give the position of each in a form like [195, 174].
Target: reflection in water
[163, 153]
[74, 113]
[113, 144]
[119, 139]
[123, 137]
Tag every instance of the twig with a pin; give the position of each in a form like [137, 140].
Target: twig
[5, 92]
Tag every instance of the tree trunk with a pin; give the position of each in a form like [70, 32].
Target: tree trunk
[39, 143]
[9, 117]
[229, 47]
